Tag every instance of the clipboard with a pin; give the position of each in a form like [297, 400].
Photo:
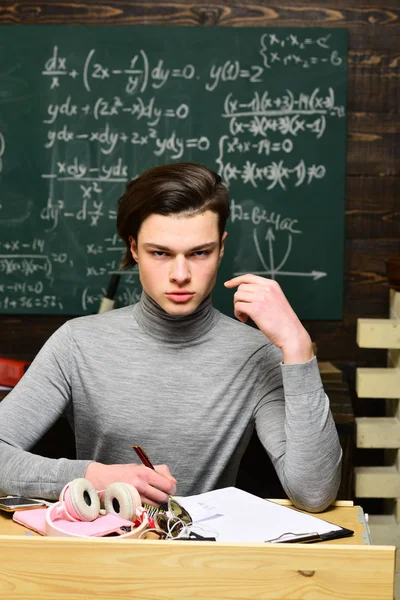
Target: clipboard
[312, 537]
[233, 515]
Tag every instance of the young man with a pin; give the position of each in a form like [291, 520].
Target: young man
[171, 373]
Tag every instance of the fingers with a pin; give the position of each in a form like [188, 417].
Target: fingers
[242, 306]
[154, 497]
[165, 472]
[254, 283]
[164, 484]
[247, 278]
[243, 296]
[152, 501]
[153, 486]
[251, 287]
[245, 299]
[161, 486]
[242, 316]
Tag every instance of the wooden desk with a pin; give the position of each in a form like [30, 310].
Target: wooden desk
[66, 569]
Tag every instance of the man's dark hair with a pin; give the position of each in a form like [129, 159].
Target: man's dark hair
[179, 188]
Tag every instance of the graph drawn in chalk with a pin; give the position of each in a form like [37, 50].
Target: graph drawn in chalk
[270, 269]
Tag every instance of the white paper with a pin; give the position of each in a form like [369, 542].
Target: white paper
[237, 516]
[199, 507]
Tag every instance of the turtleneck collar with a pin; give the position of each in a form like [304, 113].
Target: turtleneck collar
[175, 328]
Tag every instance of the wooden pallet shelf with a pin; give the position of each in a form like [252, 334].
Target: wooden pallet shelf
[378, 432]
[378, 333]
[378, 383]
[381, 432]
[377, 482]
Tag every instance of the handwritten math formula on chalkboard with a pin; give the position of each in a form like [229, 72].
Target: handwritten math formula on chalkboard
[85, 109]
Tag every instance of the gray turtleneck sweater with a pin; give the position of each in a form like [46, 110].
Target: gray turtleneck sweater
[190, 390]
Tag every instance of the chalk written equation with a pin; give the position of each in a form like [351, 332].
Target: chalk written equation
[262, 109]
[29, 261]
[139, 74]
[36, 263]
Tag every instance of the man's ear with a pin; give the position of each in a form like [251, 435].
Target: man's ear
[222, 249]
[133, 248]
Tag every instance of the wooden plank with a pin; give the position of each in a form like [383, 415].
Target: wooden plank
[372, 206]
[394, 359]
[378, 333]
[377, 432]
[23, 335]
[373, 124]
[60, 569]
[328, 372]
[397, 510]
[366, 295]
[341, 403]
[373, 144]
[378, 383]
[366, 281]
[374, 81]
[394, 302]
[369, 25]
[370, 256]
[377, 482]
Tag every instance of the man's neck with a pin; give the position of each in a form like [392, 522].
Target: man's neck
[175, 328]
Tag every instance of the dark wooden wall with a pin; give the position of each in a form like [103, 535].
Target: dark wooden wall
[373, 165]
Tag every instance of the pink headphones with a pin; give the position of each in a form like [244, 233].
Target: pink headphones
[79, 502]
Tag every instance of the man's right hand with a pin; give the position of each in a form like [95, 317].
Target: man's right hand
[154, 487]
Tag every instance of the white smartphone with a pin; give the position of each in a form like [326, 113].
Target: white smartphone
[12, 503]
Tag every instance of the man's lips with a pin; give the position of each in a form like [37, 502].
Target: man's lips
[180, 296]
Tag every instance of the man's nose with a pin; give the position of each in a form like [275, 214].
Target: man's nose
[180, 271]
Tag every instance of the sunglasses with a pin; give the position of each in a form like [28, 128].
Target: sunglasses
[168, 527]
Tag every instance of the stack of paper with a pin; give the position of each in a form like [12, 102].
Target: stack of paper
[233, 515]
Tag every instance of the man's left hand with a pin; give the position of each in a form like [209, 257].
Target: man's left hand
[264, 302]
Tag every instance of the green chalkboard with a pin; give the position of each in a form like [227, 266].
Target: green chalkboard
[85, 109]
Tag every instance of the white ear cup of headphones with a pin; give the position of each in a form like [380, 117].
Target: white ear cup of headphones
[81, 500]
[123, 500]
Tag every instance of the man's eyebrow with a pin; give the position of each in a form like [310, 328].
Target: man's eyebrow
[205, 246]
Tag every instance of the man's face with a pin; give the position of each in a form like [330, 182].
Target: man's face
[178, 259]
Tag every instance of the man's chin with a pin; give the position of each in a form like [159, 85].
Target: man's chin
[181, 308]
[180, 311]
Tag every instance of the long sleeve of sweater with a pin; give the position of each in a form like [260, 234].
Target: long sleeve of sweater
[300, 435]
[27, 412]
